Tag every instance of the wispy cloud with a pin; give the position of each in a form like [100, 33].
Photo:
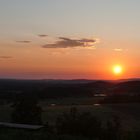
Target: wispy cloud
[5, 57]
[24, 41]
[118, 49]
[64, 42]
[42, 35]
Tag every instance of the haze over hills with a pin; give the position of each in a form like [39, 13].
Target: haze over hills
[68, 88]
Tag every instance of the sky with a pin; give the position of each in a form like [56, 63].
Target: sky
[69, 39]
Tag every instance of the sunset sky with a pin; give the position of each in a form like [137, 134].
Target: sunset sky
[69, 39]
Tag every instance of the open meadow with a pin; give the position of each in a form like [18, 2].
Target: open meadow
[128, 113]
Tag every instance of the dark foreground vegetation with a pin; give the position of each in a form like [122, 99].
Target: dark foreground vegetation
[40, 102]
[73, 125]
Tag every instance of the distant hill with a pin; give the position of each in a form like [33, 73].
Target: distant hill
[127, 87]
[67, 88]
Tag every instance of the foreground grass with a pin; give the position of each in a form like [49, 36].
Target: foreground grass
[129, 113]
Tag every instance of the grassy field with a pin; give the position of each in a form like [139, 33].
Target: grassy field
[5, 113]
[130, 121]
[129, 113]
[72, 101]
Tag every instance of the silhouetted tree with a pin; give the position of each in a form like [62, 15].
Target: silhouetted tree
[80, 124]
[27, 111]
[113, 129]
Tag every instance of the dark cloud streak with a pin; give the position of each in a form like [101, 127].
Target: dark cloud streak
[24, 41]
[42, 35]
[6, 57]
[71, 43]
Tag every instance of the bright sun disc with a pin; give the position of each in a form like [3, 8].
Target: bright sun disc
[117, 69]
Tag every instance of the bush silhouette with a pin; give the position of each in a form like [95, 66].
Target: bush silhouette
[26, 111]
[113, 129]
[81, 124]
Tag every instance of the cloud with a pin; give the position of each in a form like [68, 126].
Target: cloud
[118, 50]
[24, 41]
[42, 35]
[6, 57]
[64, 42]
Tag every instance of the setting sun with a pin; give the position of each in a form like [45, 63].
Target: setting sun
[117, 69]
